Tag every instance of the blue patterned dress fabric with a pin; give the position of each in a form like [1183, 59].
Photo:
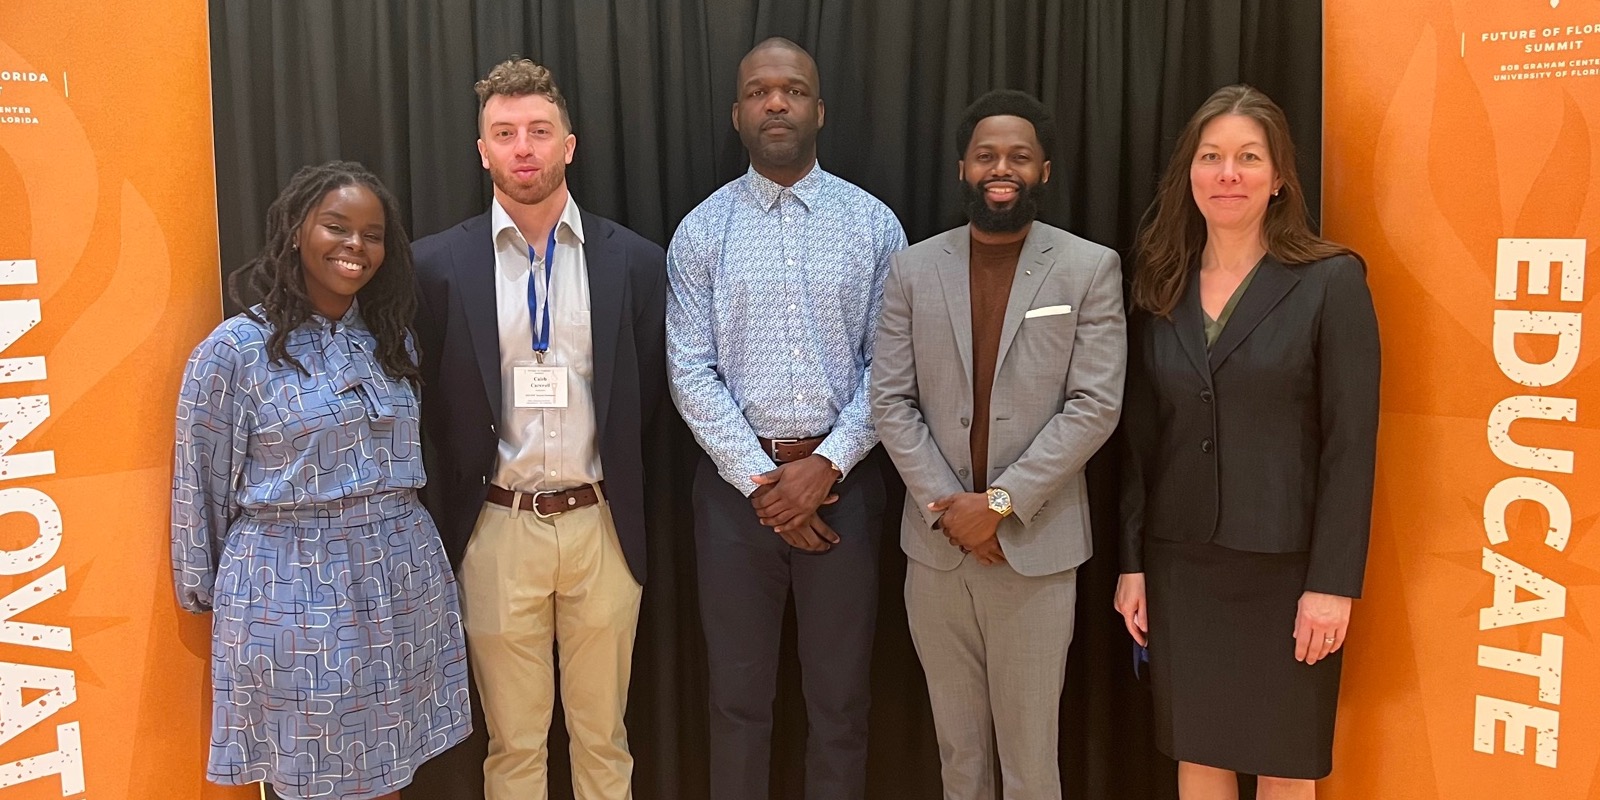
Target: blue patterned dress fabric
[771, 319]
[337, 662]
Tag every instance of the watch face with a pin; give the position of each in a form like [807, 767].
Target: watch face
[999, 501]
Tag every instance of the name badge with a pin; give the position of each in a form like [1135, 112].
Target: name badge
[539, 386]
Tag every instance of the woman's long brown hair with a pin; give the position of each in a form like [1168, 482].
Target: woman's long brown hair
[1173, 232]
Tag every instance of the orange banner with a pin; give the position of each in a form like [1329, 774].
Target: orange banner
[1459, 158]
[108, 277]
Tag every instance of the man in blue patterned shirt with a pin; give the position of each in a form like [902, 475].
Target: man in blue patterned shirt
[776, 284]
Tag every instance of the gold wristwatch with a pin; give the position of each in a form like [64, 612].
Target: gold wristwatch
[999, 501]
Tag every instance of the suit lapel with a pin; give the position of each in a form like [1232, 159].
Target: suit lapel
[1271, 282]
[608, 291]
[475, 267]
[1033, 266]
[953, 278]
[1188, 321]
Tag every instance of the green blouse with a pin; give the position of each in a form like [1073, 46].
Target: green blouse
[1214, 326]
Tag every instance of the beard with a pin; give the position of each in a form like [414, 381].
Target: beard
[1013, 217]
[782, 154]
[528, 193]
[797, 147]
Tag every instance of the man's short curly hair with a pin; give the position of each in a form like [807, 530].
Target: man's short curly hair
[519, 77]
[1008, 103]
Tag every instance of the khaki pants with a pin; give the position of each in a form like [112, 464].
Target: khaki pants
[526, 584]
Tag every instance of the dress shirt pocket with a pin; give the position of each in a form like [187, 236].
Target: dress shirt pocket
[581, 357]
[1047, 311]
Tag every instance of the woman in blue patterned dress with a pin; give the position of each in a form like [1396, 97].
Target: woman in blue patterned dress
[337, 659]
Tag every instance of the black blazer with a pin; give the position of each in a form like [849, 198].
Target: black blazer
[1266, 444]
[458, 335]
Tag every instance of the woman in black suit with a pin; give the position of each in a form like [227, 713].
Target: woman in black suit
[1251, 421]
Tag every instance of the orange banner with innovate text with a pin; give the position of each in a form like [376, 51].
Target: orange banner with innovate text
[1460, 159]
[108, 277]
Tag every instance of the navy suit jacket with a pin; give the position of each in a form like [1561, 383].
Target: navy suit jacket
[1266, 443]
[458, 336]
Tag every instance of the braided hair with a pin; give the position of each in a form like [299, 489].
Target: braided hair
[277, 278]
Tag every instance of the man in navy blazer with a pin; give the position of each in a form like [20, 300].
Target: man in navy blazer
[542, 338]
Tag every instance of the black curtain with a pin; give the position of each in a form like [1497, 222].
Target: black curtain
[650, 85]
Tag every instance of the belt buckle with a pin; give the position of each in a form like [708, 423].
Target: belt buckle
[546, 493]
[776, 442]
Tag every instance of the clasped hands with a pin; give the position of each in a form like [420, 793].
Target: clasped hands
[969, 523]
[786, 500]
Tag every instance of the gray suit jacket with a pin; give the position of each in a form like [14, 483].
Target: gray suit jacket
[1057, 391]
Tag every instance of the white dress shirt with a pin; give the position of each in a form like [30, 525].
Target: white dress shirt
[555, 448]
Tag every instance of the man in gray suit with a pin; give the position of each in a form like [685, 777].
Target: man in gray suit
[997, 373]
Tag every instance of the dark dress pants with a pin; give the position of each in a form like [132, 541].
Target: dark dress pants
[745, 574]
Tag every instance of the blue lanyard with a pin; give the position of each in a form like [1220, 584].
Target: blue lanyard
[541, 332]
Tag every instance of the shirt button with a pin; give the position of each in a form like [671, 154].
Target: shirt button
[792, 306]
[797, 351]
[552, 473]
[552, 434]
[1205, 445]
[799, 397]
[791, 262]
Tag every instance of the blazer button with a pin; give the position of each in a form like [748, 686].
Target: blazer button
[962, 472]
[965, 422]
[484, 480]
[1205, 445]
[1205, 395]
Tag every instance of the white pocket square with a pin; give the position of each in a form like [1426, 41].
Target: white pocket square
[1047, 311]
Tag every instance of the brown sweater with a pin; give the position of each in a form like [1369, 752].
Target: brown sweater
[991, 269]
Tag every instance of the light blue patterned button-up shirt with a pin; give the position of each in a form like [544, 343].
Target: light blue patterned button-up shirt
[771, 319]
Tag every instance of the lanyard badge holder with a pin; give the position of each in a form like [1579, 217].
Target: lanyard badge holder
[535, 384]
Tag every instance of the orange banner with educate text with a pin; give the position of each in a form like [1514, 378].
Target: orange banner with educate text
[1460, 147]
[108, 277]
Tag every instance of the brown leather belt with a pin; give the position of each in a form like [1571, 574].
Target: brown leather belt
[549, 504]
[783, 451]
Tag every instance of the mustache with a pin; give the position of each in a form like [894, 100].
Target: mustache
[777, 122]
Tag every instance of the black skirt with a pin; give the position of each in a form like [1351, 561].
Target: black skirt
[1228, 690]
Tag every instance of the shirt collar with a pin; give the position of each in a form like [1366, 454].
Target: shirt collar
[807, 190]
[571, 219]
[351, 319]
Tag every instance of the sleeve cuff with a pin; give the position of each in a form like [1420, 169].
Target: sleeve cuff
[1025, 503]
[193, 602]
[829, 450]
[739, 476]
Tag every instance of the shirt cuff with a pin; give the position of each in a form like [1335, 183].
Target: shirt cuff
[739, 476]
[830, 449]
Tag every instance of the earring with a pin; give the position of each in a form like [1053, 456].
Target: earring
[1275, 192]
